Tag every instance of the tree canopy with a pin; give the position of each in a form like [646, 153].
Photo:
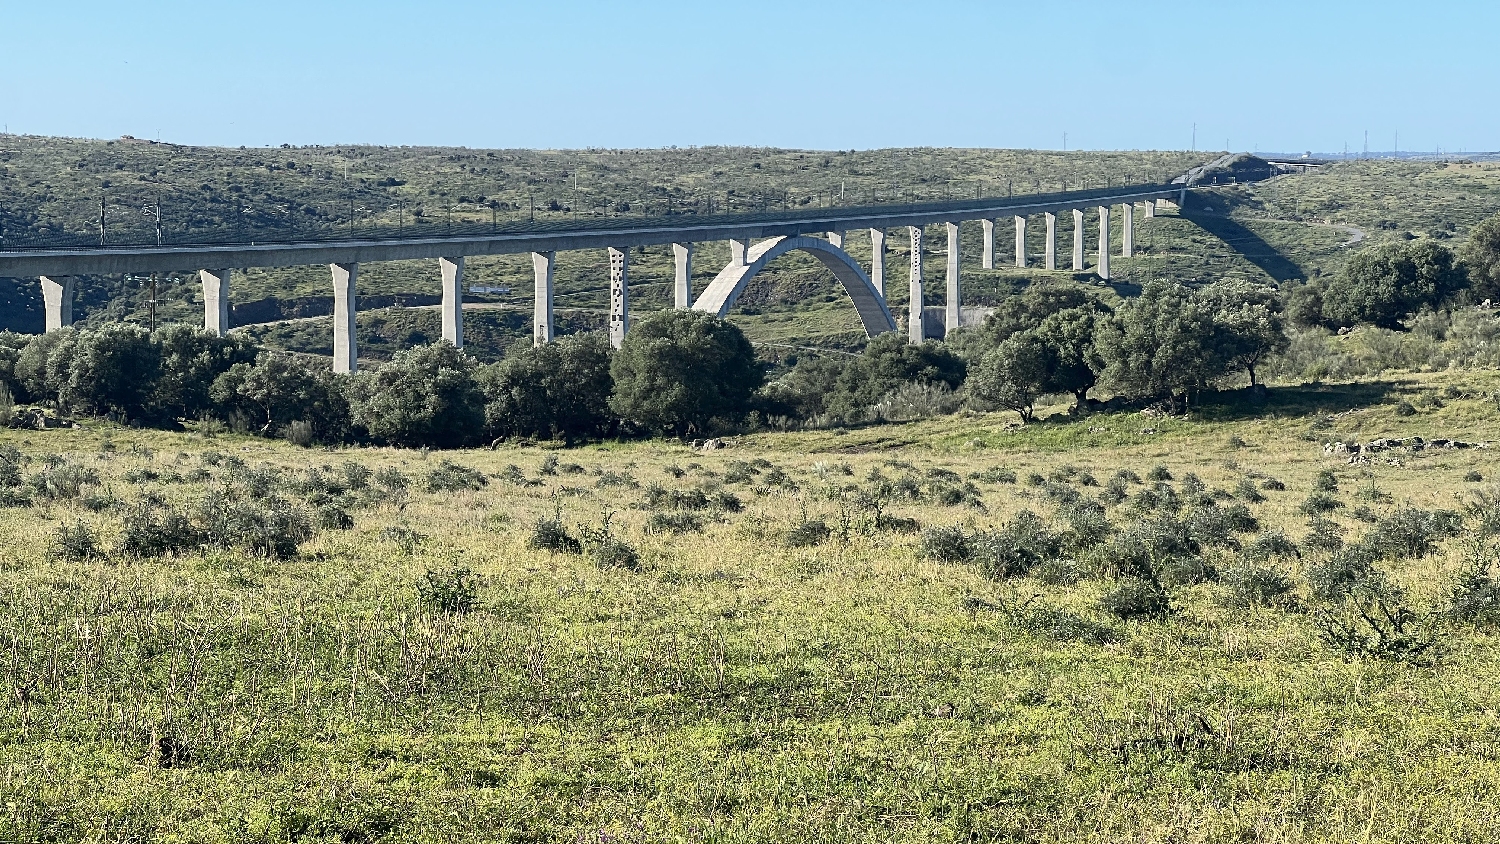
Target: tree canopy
[1160, 344]
[889, 362]
[679, 370]
[1482, 256]
[425, 395]
[555, 389]
[1386, 284]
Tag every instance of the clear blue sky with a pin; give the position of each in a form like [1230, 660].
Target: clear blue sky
[1274, 75]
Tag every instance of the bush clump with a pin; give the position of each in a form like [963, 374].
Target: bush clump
[1020, 545]
[159, 531]
[606, 550]
[945, 545]
[1250, 585]
[452, 591]
[552, 535]
[1271, 545]
[1412, 533]
[1319, 502]
[1137, 599]
[448, 476]
[807, 533]
[76, 543]
[677, 522]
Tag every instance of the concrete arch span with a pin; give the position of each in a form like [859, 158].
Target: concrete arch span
[725, 289]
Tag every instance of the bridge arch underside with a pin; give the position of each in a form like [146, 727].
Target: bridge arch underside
[725, 289]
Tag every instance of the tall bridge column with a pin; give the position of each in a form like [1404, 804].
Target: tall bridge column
[215, 300]
[914, 327]
[1150, 208]
[987, 257]
[1077, 240]
[345, 347]
[955, 311]
[877, 260]
[682, 288]
[57, 295]
[541, 265]
[836, 238]
[1127, 225]
[1051, 253]
[453, 300]
[619, 294]
[1020, 241]
[1103, 268]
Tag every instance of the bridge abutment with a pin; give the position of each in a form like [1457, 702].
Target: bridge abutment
[453, 300]
[619, 294]
[541, 266]
[215, 300]
[57, 296]
[954, 298]
[682, 286]
[914, 321]
[345, 346]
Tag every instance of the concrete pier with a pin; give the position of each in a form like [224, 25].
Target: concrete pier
[57, 295]
[987, 257]
[737, 249]
[836, 238]
[541, 266]
[877, 260]
[1103, 268]
[1127, 226]
[1020, 241]
[914, 288]
[682, 286]
[955, 297]
[619, 294]
[1051, 253]
[215, 300]
[1077, 240]
[453, 300]
[345, 347]
[1150, 209]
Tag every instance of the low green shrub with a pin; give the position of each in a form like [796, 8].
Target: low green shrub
[76, 543]
[1135, 599]
[1319, 502]
[807, 533]
[448, 476]
[945, 545]
[1250, 585]
[452, 591]
[676, 522]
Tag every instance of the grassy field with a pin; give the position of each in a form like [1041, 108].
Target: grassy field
[754, 677]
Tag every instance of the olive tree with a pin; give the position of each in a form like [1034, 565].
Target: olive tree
[680, 370]
[1384, 285]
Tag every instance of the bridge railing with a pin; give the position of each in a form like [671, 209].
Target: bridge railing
[138, 235]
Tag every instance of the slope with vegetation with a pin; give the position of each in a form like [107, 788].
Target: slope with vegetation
[1121, 627]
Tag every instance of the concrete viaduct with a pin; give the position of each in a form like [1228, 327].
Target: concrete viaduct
[819, 232]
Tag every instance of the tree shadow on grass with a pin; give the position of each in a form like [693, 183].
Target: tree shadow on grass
[1248, 244]
[1295, 400]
